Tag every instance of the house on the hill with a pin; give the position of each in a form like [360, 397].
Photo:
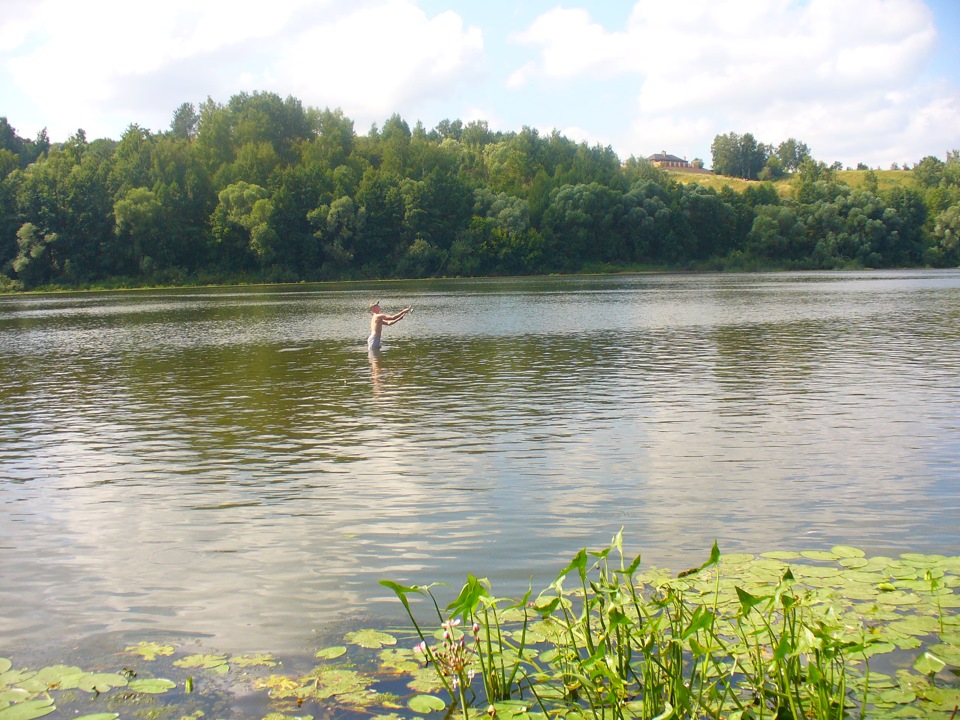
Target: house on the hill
[662, 159]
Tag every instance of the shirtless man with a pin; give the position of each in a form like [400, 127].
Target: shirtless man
[377, 322]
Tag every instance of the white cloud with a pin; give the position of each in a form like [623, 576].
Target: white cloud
[571, 45]
[372, 58]
[852, 79]
[836, 75]
[380, 60]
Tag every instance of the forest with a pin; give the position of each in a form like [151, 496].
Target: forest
[264, 189]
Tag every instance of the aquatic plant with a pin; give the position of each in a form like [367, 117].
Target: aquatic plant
[738, 637]
[815, 634]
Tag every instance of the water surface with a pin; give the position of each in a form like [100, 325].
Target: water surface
[233, 463]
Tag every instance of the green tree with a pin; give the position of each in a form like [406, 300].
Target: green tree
[185, 121]
[738, 155]
[378, 243]
[132, 162]
[779, 235]
[241, 225]
[945, 251]
[438, 208]
[395, 142]
[712, 222]
[586, 224]
[338, 226]
[138, 225]
[33, 263]
[792, 154]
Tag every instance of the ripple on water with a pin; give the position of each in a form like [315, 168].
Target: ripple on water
[236, 465]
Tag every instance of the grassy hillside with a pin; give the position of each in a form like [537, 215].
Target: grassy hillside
[886, 179]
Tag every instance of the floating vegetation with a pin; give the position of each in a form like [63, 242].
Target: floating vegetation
[809, 634]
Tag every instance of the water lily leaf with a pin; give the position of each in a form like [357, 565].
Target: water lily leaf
[845, 551]
[15, 677]
[152, 686]
[331, 653]
[863, 576]
[919, 559]
[280, 687]
[929, 664]
[63, 677]
[945, 699]
[150, 650]
[915, 625]
[247, 661]
[897, 696]
[517, 709]
[950, 654]
[781, 555]
[400, 661]
[898, 597]
[853, 562]
[370, 639]
[361, 699]
[28, 710]
[908, 642]
[422, 704]
[5, 664]
[424, 680]
[340, 682]
[14, 695]
[101, 682]
[99, 716]
[818, 555]
[816, 571]
[201, 661]
[878, 648]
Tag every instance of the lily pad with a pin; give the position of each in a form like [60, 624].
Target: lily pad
[150, 650]
[28, 710]
[399, 661]
[101, 682]
[929, 664]
[818, 555]
[898, 597]
[331, 653]
[897, 696]
[817, 571]
[99, 716]
[950, 654]
[280, 687]
[15, 677]
[853, 562]
[340, 682]
[845, 551]
[424, 680]
[5, 664]
[781, 555]
[423, 704]
[206, 662]
[13, 696]
[152, 686]
[247, 661]
[370, 639]
[54, 677]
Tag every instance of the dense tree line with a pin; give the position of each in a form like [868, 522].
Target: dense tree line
[264, 188]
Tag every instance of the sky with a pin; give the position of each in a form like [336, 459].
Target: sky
[871, 81]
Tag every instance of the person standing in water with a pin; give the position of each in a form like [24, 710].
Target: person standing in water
[377, 322]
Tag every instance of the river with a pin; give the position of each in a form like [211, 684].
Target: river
[233, 464]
